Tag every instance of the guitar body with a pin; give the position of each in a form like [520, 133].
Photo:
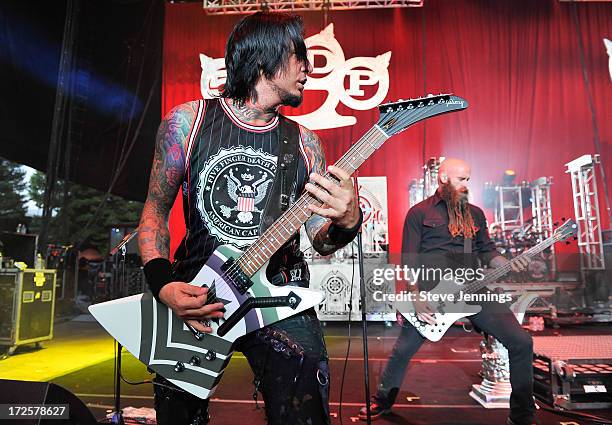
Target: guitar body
[161, 340]
[446, 312]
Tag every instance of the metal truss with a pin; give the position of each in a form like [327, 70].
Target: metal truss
[542, 212]
[509, 207]
[423, 188]
[430, 176]
[586, 208]
[236, 7]
[415, 191]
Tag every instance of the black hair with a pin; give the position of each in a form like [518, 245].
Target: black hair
[260, 44]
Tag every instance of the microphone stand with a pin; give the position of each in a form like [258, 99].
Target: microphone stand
[117, 417]
[364, 321]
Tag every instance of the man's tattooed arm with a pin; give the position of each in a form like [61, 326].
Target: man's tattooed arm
[316, 226]
[166, 178]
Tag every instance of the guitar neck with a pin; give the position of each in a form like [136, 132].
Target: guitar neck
[255, 256]
[498, 272]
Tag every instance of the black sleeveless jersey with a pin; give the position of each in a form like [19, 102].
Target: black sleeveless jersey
[230, 168]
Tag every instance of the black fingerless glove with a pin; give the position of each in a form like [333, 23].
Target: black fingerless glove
[342, 236]
[157, 272]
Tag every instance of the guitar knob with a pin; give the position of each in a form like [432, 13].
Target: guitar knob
[210, 355]
[195, 361]
[179, 367]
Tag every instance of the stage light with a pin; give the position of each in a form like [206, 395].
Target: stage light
[509, 176]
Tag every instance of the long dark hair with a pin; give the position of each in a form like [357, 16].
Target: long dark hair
[262, 42]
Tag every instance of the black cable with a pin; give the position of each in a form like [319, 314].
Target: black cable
[424, 62]
[148, 381]
[577, 415]
[348, 347]
[115, 369]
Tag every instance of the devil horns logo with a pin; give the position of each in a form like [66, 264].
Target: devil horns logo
[329, 77]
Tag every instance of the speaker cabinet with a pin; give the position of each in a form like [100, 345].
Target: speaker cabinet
[27, 303]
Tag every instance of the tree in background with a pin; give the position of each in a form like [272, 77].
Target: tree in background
[77, 219]
[88, 223]
[36, 192]
[12, 199]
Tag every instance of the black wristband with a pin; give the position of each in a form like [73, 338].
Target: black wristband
[157, 272]
[341, 235]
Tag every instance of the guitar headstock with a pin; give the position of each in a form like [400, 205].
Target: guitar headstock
[567, 229]
[395, 117]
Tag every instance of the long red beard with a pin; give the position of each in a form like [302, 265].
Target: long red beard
[460, 221]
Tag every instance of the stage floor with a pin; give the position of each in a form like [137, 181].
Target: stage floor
[435, 390]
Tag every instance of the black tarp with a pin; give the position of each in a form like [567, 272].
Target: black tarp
[116, 69]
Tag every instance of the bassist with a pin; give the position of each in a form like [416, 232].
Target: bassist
[445, 231]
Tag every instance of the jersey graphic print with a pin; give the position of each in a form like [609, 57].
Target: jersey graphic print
[232, 189]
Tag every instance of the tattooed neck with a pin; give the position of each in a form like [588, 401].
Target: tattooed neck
[252, 113]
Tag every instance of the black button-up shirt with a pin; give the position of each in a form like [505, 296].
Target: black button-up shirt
[427, 241]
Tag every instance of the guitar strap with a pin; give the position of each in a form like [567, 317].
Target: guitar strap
[286, 173]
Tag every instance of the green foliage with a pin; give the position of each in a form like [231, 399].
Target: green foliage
[12, 200]
[75, 218]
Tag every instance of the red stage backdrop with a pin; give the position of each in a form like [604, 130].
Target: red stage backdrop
[518, 64]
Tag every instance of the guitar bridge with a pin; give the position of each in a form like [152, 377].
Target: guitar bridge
[236, 276]
[291, 300]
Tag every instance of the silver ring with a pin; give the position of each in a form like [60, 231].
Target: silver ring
[319, 374]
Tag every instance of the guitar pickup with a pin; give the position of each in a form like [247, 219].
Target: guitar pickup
[236, 276]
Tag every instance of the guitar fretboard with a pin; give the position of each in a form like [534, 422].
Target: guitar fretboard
[502, 270]
[256, 255]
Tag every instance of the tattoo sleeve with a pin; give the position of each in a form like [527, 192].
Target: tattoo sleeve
[166, 178]
[316, 226]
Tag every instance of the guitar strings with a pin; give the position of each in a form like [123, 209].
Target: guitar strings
[500, 271]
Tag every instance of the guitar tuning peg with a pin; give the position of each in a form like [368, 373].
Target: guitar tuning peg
[575, 238]
[567, 242]
[556, 224]
[563, 219]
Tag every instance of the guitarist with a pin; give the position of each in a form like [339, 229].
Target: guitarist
[234, 142]
[434, 236]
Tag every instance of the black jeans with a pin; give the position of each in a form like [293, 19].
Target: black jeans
[290, 364]
[495, 319]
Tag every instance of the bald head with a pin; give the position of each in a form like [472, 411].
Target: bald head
[455, 172]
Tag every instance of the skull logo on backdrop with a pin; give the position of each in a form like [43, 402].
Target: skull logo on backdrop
[330, 77]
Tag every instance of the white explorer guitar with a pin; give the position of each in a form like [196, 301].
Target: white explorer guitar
[195, 362]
